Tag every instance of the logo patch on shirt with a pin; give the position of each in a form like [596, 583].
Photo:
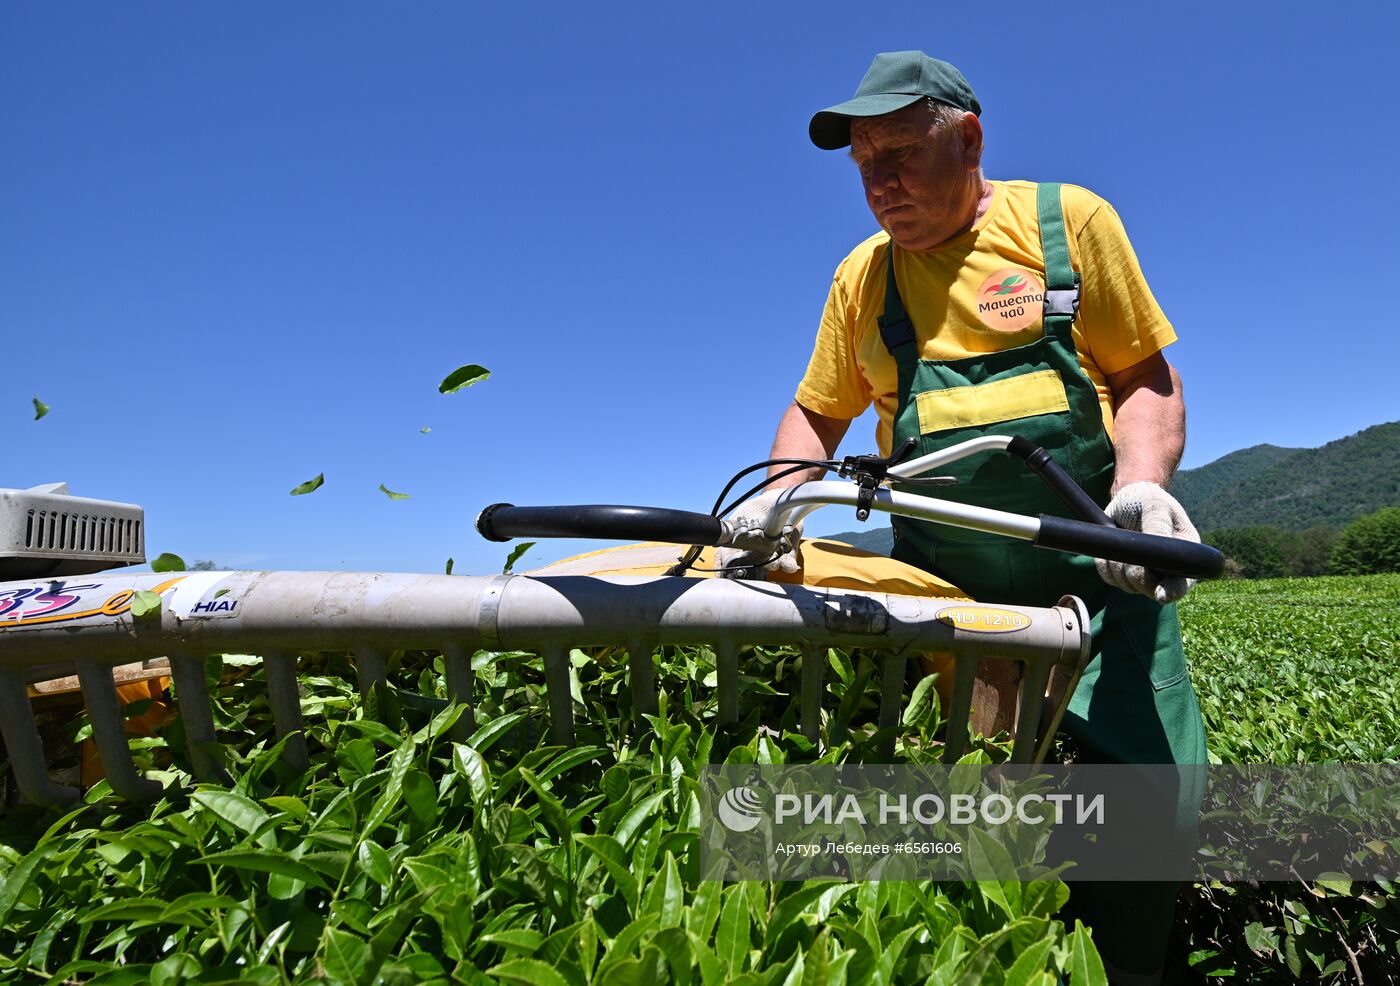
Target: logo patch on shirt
[1010, 300]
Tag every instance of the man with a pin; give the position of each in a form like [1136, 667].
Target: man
[942, 321]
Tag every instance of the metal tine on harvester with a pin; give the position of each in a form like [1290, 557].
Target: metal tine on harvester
[280, 614]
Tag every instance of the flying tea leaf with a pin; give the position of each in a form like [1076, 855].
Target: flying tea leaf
[40, 409]
[143, 602]
[391, 494]
[310, 485]
[515, 554]
[462, 377]
[168, 563]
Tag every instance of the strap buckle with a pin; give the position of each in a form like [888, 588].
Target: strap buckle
[1063, 301]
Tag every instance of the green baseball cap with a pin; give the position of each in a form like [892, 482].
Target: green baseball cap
[895, 79]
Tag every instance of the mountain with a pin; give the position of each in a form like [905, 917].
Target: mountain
[1296, 489]
[1287, 488]
[1196, 486]
[877, 539]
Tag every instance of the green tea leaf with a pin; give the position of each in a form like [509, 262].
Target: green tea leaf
[168, 563]
[175, 969]
[1042, 898]
[463, 376]
[391, 494]
[787, 909]
[265, 860]
[292, 805]
[128, 909]
[128, 975]
[311, 485]
[703, 912]
[569, 759]
[1029, 964]
[196, 902]
[1260, 939]
[531, 972]
[636, 815]
[389, 799]
[1335, 883]
[449, 567]
[732, 939]
[1291, 958]
[472, 765]
[1209, 962]
[627, 943]
[555, 816]
[424, 430]
[922, 710]
[389, 926]
[610, 853]
[40, 409]
[241, 812]
[374, 863]
[515, 554]
[1085, 966]
[420, 794]
[344, 956]
[665, 896]
[144, 601]
[487, 736]
[674, 944]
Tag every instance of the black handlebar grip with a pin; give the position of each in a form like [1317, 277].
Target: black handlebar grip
[503, 521]
[1163, 555]
[1043, 465]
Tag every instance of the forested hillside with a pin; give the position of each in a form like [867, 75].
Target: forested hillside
[1290, 489]
[1196, 486]
[1320, 487]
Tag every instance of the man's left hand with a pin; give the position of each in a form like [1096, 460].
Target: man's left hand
[1148, 508]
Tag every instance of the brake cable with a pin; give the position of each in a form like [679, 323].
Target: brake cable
[687, 561]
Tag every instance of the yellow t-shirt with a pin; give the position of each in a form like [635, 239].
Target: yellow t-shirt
[964, 299]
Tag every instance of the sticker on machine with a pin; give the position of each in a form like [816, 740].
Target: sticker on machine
[1010, 300]
[62, 601]
[204, 595]
[983, 619]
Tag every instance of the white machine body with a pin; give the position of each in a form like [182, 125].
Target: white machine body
[45, 533]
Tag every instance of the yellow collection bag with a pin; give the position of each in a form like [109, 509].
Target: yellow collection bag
[824, 564]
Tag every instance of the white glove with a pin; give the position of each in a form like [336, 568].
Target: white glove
[1148, 508]
[750, 556]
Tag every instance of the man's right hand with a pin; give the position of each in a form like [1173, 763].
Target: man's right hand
[751, 554]
[1148, 508]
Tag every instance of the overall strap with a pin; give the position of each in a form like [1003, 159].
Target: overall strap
[896, 331]
[1061, 281]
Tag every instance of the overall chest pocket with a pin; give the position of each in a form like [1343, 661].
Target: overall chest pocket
[1010, 398]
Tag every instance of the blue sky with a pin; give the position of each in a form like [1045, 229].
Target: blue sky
[241, 244]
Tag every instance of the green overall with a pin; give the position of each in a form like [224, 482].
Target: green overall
[1134, 703]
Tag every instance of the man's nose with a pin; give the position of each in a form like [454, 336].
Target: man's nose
[882, 179]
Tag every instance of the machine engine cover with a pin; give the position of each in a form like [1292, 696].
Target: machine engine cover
[45, 532]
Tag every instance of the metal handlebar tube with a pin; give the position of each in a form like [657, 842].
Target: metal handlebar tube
[829, 492]
[503, 521]
[279, 614]
[936, 460]
[1165, 555]
[1037, 460]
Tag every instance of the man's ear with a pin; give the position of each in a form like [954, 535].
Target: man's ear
[972, 141]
